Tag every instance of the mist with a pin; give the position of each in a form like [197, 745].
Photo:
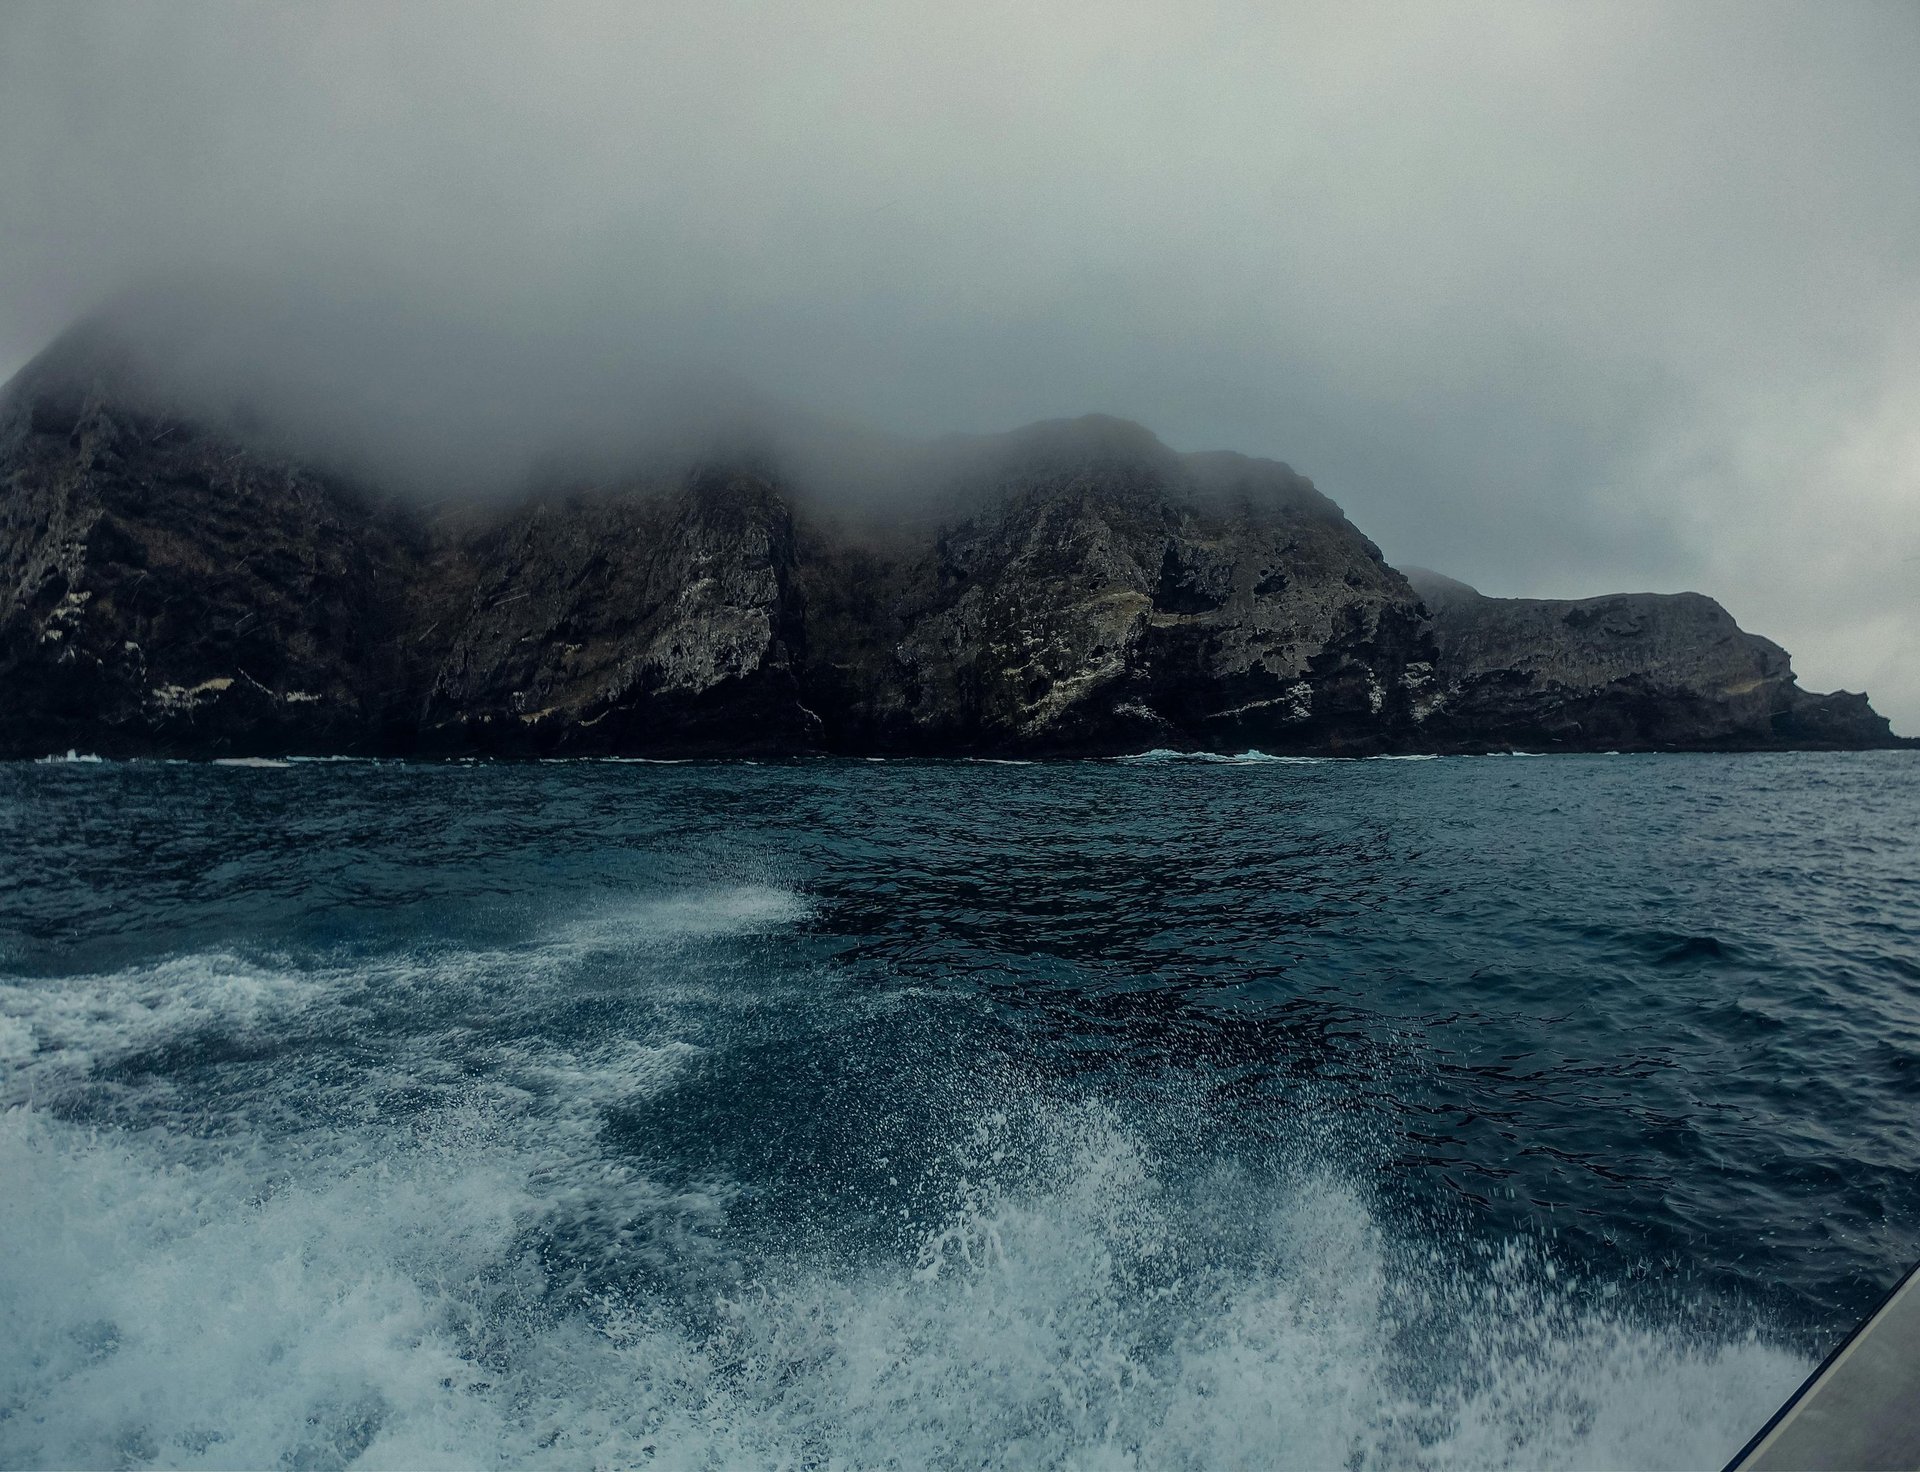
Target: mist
[1555, 300]
[413, 400]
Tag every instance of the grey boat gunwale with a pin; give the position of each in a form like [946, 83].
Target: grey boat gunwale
[1756, 1455]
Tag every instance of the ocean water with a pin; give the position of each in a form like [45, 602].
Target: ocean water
[1156, 1113]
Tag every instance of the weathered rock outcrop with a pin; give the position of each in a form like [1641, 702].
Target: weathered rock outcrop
[663, 616]
[1088, 589]
[1627, 671]
[166, 589]
[171, 583]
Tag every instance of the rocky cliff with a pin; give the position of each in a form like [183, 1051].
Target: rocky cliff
[1088, 589]
[1627, 671]
[176, 584]
[164, 588]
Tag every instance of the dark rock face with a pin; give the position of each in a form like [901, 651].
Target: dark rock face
[1097, 592]
[170, 588]
[1627, 671]
[663, 618]
[163, 590]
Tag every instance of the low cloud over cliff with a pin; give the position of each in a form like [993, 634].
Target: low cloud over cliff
[1555, 299]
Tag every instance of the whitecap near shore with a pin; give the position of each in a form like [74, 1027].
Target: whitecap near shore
[1222, 759]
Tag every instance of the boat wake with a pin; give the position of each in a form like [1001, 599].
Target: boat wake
[464, 1244]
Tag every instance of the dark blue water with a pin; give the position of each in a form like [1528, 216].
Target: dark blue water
[1155, 1113]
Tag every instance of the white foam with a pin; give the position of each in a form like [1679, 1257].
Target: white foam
[207, 1314]
[1067, 1307]
[371, 761]
[18, 1041]
[71, 756]
[55, 1032]
[742, 909]
[635, 761]
[57, 1028]
[1217, 758]
[584, 1079]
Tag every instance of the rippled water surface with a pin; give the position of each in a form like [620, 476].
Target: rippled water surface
[1157, 1113]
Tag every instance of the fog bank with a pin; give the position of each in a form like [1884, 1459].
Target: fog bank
[1557, 300]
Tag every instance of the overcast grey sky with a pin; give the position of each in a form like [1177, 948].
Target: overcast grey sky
[1558, 299]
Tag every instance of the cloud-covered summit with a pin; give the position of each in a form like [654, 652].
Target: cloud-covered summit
[1555, 299]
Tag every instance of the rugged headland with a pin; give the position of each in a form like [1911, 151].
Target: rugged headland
[176, 584]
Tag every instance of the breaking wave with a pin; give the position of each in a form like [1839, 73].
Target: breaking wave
[1223, 759]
